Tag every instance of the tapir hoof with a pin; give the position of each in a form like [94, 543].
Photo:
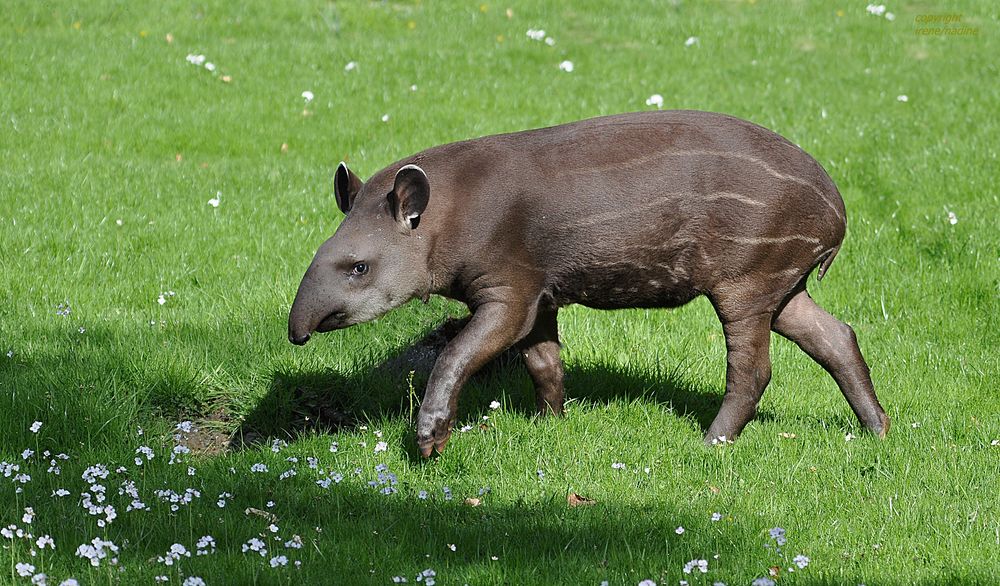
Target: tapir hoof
[428, 445]
[884, 427]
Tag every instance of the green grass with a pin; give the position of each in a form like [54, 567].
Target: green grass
[111, 144]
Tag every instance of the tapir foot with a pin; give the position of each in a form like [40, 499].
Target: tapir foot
[433, 435]
[550, 409]
[883, 427]
[428, 446]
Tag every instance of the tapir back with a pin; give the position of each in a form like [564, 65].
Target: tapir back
[634, 210]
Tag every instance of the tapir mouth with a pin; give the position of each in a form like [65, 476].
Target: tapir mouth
[334, 321]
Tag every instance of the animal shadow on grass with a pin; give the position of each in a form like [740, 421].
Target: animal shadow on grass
[328, 401]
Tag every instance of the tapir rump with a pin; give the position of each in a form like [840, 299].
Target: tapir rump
[648, 210]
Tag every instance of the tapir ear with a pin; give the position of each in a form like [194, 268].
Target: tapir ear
[409, 195]
[346, 186]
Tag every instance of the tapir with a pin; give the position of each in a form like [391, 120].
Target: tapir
[648, 209]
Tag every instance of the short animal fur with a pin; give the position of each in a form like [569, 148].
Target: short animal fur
[648, 209]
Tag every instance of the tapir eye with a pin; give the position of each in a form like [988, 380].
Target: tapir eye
[360, 268]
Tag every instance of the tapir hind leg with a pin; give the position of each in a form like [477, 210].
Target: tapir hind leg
[832, 344]
[748, 370]
[540, 349]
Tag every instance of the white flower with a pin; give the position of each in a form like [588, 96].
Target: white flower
[29, 515]
[214, 202]
[25, 570]
[193, 581]
[97, 550]
[849, 437]
[385, 117]
[701, 565]
[655, 100]
[452, 546]
[876, 9]
[536, 34]
[161, 299]
[351, 66]
[890, 16]
[279, 561]
[69, 582]
[801, 561]
[716, 517]
[902, 98]
[307, 96]
[210, 66]
[35, 426]
[618, 465]
[44, 540]
[952, 218]
[494, 404]
[550, 41]
[198, 60]
[255, 545]
[566, 66]
[679, 531]
[691, 41]
[381, 447]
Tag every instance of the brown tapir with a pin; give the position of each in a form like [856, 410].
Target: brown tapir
[648, 209]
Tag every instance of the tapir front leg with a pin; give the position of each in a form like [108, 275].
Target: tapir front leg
[494, 327]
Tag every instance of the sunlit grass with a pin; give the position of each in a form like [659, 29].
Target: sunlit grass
[113, 143]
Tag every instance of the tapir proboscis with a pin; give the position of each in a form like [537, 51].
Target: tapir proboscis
[646, 210]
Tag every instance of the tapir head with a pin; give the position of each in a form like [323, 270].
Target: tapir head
[376, 260]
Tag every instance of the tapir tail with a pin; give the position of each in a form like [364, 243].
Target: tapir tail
[824, 264]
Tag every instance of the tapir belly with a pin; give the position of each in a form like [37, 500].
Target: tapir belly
[620, 270]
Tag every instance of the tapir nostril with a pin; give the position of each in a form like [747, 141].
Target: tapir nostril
[298, 340]
[339, 314]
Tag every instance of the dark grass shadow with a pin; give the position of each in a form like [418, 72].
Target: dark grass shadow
[327, 401]
[399, 534]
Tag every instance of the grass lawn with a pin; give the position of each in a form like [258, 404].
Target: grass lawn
[129, 304]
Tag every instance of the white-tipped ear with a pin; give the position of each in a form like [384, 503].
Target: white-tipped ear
[410, 193]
